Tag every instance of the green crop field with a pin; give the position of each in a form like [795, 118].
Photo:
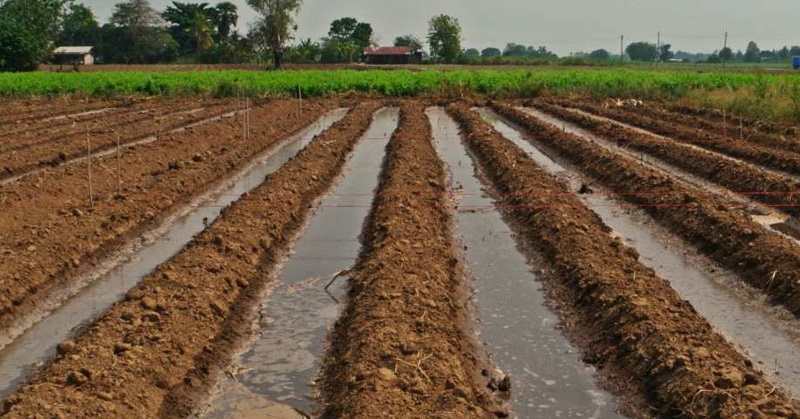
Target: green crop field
[768, 96]
[597, 82]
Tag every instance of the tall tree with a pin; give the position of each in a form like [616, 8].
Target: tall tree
[444, 37]
[19, 49]
[751, 54]
[600, 54]
[189, 23]
[80, 27]
[350, 30]
[136, 35]
[726, 54]
[135, 13]
[491, 52]
[226, 16]
[642, 51]
[665, 54]
[41, 19]
[410, 41]
[276, 24]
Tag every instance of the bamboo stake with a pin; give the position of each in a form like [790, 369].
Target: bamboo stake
[89, 168]
[119, 167]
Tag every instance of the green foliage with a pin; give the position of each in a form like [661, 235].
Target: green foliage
[492, 83]
[444, 37]
[472, 52]
[350, 30]
[410, 41]
[600, 54]
[276, 24]
[19, 49]
[751, 55]
[188, 24]
[41, 20]
[642, 51]
[80, 27]
[491, 52]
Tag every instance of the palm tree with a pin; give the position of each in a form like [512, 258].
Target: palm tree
[226, 16]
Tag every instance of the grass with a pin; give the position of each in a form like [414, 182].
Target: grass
[769, 96]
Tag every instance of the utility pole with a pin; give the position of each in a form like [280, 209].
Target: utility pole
[724, 47]
[658, 48]
[621, 48]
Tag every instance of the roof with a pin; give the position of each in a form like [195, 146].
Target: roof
[73, 50]
[388, 51]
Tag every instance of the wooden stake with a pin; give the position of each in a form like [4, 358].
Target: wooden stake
[119, 167]
[89, 168]
[741, 128]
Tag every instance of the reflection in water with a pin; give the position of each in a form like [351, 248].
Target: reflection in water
[548, 377]
[772, 343]
[284, 360]
[38, 343]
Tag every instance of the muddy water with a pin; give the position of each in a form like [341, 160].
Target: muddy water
[772, 342]
[126, 269]
[519, 330]
[275, 373]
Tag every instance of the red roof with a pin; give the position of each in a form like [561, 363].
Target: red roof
[388, 51]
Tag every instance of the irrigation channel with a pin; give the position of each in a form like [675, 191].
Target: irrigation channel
[771, 218]
[771, 342]
[123, 271]
[519, 330]
[274, 374]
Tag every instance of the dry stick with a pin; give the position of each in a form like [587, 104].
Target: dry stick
[300, 104]
[119, 167]
[741, 128]
[89, 168]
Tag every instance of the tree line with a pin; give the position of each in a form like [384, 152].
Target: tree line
[185, 32]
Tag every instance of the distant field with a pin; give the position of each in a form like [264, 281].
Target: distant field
[491, 82]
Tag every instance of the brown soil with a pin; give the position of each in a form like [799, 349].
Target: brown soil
[754, 153]
[731, 127]
[634, 323]
[50, 235]
[31, 152]
[763, 258]
[155, 352]
[24, 111]
[401, 349]
[23, 133]
[742, 178]
[717, 115]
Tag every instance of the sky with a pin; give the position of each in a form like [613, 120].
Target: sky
[562, 26]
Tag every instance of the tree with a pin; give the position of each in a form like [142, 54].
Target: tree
[135, 14]
[276, 24]
[491, 52]
[410, 41]
[665, 54]
[80, 27]
[472, 52]
[350, 30]
[642, 51]
[515, 50]
[444, 37]
[226, 16]
[600, 54]
[725, 54]
[41, 19]
[136, 35]
[751, 54]
[19, 49]
[190, 25]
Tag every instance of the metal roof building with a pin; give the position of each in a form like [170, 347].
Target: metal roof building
[74, 55]
[392, 55]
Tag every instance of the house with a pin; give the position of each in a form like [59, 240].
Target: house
[74, 56]
[392, 55]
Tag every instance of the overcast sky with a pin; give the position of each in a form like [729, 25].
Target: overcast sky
[564, 26]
